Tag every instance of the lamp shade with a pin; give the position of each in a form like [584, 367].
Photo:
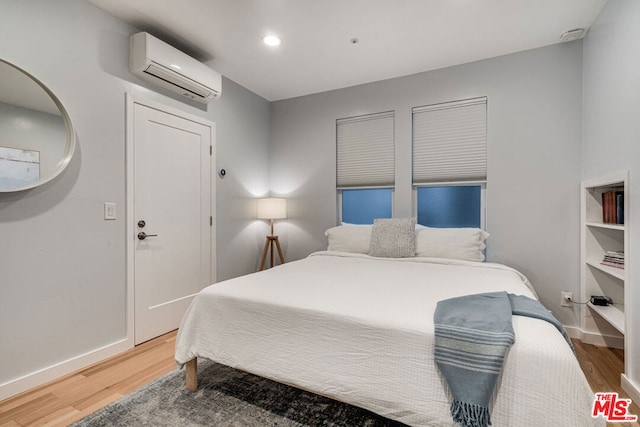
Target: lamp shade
[272, 208]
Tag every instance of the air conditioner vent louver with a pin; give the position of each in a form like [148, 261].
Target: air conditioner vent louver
[156, 61]
[179, 80]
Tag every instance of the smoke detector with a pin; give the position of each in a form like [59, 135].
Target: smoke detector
[572, 35]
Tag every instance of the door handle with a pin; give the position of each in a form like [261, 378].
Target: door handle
[142, 235]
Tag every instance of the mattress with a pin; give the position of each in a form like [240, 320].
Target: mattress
[360, 330]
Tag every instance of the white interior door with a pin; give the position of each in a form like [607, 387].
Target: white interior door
[172, 206]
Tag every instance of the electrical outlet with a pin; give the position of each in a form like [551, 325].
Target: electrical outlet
[567, 297]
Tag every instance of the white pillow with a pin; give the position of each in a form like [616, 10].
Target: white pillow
[454, 243]
[349, 238]
[393, 238]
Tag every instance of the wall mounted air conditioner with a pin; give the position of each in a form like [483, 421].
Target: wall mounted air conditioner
[156, 61]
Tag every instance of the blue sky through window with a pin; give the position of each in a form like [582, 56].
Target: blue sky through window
[365, 205]
[449, 206]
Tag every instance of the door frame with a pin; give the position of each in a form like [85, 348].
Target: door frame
[130, 226]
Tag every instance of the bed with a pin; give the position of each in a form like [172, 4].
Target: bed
[360, 329]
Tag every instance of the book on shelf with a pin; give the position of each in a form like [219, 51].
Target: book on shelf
[613, 259]
[613, 264]
[606, 207]
[613, 207]
[619, 207]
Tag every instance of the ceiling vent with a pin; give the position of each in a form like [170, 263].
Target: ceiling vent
[158, 62]
[572, 35]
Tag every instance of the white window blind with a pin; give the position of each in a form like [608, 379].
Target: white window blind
[450, 142]
[365, 151]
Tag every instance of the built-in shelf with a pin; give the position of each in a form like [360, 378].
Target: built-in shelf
[618, 273]
[612, 314]
[605, 324]
[607, 226]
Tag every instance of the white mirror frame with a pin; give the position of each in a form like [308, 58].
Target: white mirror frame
[71, 137]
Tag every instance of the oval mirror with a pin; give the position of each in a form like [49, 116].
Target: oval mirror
[37, 140]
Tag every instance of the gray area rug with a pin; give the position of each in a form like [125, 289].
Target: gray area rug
[228, 397]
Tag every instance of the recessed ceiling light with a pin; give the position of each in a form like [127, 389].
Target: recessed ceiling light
[271, 40]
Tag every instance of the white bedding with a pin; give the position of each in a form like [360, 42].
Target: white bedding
[360, 330]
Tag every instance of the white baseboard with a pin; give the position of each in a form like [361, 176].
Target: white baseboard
[632, 389]
[595, 339]
[37, 378]
[602, 340]
[573, 332]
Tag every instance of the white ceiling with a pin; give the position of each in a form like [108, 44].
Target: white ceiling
[396, 37]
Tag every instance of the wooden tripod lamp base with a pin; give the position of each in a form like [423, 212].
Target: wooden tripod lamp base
[271, 241]
[271, 208]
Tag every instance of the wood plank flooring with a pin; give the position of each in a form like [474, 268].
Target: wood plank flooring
[602, 366]
[71, 397]
[67, 399]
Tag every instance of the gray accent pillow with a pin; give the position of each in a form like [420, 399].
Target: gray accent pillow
[393, 238]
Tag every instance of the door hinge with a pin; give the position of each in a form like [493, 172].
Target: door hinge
[211, 221]
[211, 150]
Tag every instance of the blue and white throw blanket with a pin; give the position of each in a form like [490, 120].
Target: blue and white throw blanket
[473, 334]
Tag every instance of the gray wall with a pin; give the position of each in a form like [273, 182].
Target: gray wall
[62, 280]
[534, 122]
[611, 130]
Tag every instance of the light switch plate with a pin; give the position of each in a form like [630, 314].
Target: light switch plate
[109, 211]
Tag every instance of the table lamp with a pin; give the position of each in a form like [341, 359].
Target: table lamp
[272, 208]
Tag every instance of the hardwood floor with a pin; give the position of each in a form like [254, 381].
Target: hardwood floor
[602, 366]
[71, 397]
[67, 399]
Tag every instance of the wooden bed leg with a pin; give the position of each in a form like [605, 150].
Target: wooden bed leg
[192, 374]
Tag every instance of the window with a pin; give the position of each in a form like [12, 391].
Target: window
[363, 206]
[450, 206]
[450, 163]
[365, 157]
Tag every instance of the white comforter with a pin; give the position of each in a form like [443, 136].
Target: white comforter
[360, 330]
